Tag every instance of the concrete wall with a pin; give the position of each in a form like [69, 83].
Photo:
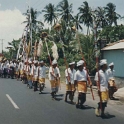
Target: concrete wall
[116, 56]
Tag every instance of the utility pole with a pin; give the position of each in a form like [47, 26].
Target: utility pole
[2, 44]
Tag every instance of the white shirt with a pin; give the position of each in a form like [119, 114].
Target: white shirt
[58, 72]
[21, 66]
[28, 69]
[2, 66]
[55, 72]
[8, 65]
[110, 73]
[14, 64]
[71, 74]
[25, 67]
[11, 65]
[42, 71]
[16, 68]
[5, 64]
[34, 71]
[103, 80]
[81, 75]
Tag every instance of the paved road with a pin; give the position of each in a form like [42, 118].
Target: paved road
[35, 108]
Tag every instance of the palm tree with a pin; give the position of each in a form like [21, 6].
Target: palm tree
[111, 14]
[51, 15]
[101, 19]
[65, 10]
[35, 23]
[77, 22]
[85, 15]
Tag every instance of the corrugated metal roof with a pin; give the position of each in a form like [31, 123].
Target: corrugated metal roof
[115, 45]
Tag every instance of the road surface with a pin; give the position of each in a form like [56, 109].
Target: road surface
[20, 105]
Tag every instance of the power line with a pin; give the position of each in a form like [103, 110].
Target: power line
[38, 6]
[37, 2]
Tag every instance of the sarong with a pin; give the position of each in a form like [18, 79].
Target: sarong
[82, 86]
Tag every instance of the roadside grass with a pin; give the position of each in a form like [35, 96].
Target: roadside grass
[62, 72]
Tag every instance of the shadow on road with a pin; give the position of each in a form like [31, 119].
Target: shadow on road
[88, 107]
[108, 116]
[84, 107]
[58, 99]
[59, 95]
[45, 93]
[115, 99]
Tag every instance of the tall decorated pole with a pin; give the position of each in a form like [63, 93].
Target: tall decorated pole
[19, 47]
[94, 26]
[58, 27]
[89, 80]
[43, 37]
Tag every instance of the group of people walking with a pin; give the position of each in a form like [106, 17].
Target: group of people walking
[33, 73]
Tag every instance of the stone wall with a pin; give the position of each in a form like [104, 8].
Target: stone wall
[119, 81]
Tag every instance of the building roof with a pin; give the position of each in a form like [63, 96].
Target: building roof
[1, 54]
[115, 46]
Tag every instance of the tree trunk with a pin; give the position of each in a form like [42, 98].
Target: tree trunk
[88, 30]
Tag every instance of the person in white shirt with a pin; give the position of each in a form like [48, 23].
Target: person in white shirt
[21, 69]
[5, 68]
[101, 79]
[34, 73]
[8, 68]
[2, 68]
[42, 75]
[28, 72]
[17, 70]
[70, 88]
[58, 84]
[112, 85]
[14, 64]
[54, 78]
[25, 81]
[12, 69]
[81, 78]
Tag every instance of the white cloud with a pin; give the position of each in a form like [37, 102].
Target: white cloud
[10, 25]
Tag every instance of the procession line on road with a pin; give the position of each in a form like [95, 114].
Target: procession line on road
[13, 103]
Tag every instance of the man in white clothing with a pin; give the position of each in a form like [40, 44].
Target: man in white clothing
[42, 75]
[34, 73]
[70, 88]
[81, 78]
[112, 85]
[54, 78]
[21, 70]
[101, 79]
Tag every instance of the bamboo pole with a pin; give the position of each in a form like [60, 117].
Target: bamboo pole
[58, 28]
[96, 54]
[89, 80]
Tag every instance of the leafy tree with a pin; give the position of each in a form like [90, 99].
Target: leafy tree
[50, 14]
[87, 46]
[85, 15]
[112, 34]
[65, 11]
[77, 23]
[111, 14]
[101, 19]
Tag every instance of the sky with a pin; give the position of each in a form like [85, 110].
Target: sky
[11, 14]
